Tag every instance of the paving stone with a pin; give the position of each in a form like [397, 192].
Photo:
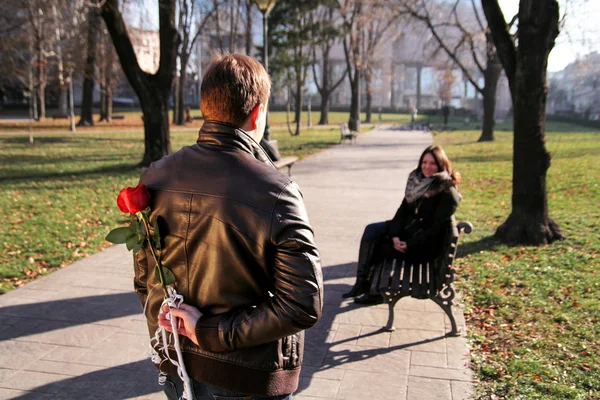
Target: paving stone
[319, 387]
[360, 385]
[442, 373]
[347, 334]
[322, 373]
[39, 381]
[462, 390]
[430, 389]
[419, 340]
[6, 394]
[119, 349]
[409, 319]
[428, 359]
[57, 332]
[373, 336]
[17, 355]
[363, 359]
[458, 352]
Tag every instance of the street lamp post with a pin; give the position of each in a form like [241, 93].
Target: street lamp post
[265, 6]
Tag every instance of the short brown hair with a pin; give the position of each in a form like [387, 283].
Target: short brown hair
[442, 161]
[232, 86]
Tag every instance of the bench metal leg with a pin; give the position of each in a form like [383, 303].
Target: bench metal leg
[447, 307]
[290, 170]
[391, 304]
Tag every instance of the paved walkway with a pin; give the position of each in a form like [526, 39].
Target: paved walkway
[79, 334]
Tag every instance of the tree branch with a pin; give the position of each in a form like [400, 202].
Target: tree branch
[505, 46]
[120, 38]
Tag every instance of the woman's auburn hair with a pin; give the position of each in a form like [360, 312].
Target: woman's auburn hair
[442, 161]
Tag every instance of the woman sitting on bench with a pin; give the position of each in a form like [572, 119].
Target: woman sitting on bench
[418, 229]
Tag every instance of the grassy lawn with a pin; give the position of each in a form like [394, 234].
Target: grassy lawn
[278, 119]
[57, 198]
[533, 313]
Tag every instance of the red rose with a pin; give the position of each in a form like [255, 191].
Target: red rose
[132, 200]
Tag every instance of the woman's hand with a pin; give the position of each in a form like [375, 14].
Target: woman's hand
[399, 245]
[186, 318]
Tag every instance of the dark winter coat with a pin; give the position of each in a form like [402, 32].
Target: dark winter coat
[424, 224]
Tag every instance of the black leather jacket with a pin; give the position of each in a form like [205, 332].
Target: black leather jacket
[236, 235]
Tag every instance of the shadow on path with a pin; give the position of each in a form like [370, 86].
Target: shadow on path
[52, 315]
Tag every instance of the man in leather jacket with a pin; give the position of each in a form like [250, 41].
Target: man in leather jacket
[236, 234]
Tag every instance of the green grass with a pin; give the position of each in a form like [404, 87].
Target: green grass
[533, 313]
[57, 198]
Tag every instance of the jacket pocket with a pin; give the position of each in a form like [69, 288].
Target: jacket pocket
[287, 350]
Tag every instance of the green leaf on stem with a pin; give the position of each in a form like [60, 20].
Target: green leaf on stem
[167, 274]
[119, 235]
[133, 241]
[139, 246]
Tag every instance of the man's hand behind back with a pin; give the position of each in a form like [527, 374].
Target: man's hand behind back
[186, 316]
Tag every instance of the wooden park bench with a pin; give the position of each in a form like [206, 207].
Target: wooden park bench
[347, 134]
[283, 161]
[395, 279]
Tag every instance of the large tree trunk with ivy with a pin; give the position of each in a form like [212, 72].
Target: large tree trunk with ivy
[526, 67]
[153, 90]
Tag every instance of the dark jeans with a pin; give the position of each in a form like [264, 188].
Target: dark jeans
[370, 247]
[174, 389]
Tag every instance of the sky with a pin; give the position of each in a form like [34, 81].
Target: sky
[579, 35]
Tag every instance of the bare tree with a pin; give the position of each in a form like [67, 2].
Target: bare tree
[291, 32]
[89, 72]
[525, 61]
[153, 90]
[248, 35]
[457, 39]
[352, 15]
[365, 22]
[193, 16]
[326, 35]
[378, 23]
[39, 20]
[106, 73]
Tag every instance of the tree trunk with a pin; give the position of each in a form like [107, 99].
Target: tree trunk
[154, 90]
[155, 107]
[354, 120]
[298, 106]
[87, 113]
[249, 4]
[393, 87]
[180, 119]
[109, 100]
[491, 77]
[176, 101]
[369, 118]
[41, 87]
[102, 102]
[325, 104]
[529, 222]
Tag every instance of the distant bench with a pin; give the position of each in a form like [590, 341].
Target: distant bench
[283, 161]
[347, 134]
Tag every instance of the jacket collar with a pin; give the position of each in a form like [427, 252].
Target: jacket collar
[222, 134]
